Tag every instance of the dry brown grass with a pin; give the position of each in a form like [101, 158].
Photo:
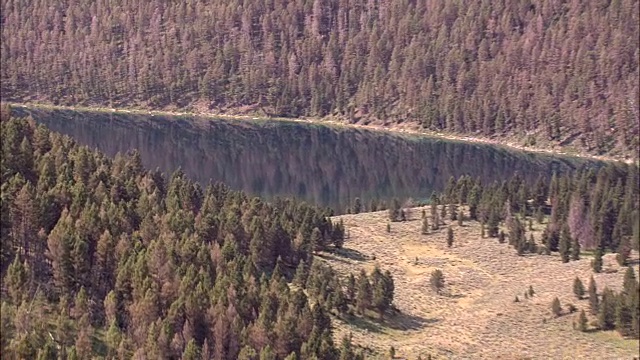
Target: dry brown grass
[476, 316]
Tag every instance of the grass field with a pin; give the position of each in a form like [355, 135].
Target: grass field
[476, 316]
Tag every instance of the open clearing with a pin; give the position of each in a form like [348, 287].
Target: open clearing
[476, 316]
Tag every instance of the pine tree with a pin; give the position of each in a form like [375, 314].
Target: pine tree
[317, 240]
[531, 245]
[351, 288]
[16, 281]
[582, 321]
[191, 351]
[593, 297]
[575, 249]
[267, 353]
[346, 348]
[425, 226]
[435, 223]
[337, 235]
[565, 243]
[394, 210]
[449, 236]
[364, 293]
[357, 205]
[629, 284]
[578, 288]
[556, 308]
[596, 263]
[623, 316]
[453, 212]
[607, 310]
[624, 251]
[301, 275]
[437, 281]
[501, 237]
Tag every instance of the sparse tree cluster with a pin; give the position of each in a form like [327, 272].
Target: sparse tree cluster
[619, 311]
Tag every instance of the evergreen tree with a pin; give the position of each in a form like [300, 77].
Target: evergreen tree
[582, 321]
[607, 310]
[629, 284]
[453, 212]
[425, 226]
[578, 288]
[437, 281]
[357, 205]
[351, 288]
[364, 293]
[394, 210]
[593, 297]
[501, 237]
[317, 240]
[435, 223]
[16, 281]
[623, 316]
[531, 245]
[346, 348]
[301, 275]
[267, 353]
[575, 249]
[449, 236]
[565, 244]
[191, 351]
[556, 308]
[596, 263]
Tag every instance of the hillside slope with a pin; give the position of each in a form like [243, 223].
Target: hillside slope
[476, 316]
[545, 73]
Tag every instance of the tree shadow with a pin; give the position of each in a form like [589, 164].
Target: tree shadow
[363, 323]
[330, 256]
[394, 319]
[350, 254]
[403, 321]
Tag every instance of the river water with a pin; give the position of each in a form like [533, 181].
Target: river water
[327, 166]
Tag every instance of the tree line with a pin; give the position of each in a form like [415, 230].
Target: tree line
[595, 210]
[559, 71]
[102, 257]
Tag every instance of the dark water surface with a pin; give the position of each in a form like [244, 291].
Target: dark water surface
[323, 165]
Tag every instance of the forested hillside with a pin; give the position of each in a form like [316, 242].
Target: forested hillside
[101, 257]
[560, 72]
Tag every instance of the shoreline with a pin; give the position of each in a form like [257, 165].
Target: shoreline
[414, 130]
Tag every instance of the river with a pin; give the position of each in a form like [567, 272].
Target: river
[324, 165]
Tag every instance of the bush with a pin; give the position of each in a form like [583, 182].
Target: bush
[556, 308]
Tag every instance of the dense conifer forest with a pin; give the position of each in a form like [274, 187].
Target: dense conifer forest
[102, 257]
[564, 72]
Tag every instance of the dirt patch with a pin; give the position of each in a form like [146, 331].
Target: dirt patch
[476, 316]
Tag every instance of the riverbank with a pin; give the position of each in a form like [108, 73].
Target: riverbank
[412, 129]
